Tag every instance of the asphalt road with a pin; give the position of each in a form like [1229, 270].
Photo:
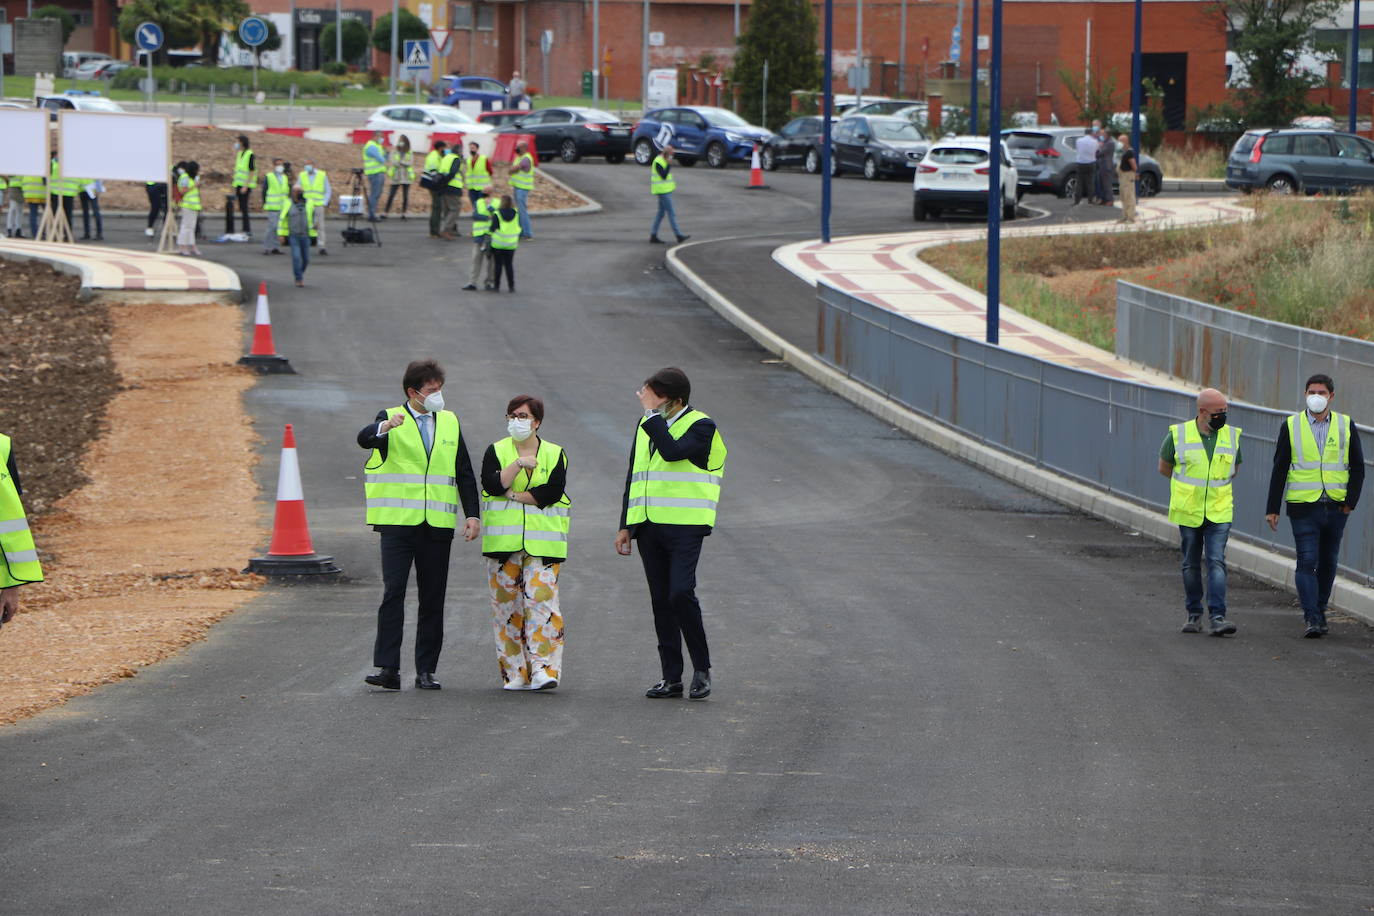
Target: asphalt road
[933, 692]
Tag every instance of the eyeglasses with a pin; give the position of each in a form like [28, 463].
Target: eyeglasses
[519, 416]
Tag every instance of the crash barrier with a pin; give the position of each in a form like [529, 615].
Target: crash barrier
[1099, 431]
[1251, 359]
[287, 131]
[500, 147]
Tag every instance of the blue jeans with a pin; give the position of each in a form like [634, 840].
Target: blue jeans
[522, 203]
[35, 209]
[300, 254]
[1317, 537]
[1207, 540]
[665, 205]
[374, 191]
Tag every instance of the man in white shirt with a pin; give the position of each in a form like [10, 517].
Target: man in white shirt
[1085, 158]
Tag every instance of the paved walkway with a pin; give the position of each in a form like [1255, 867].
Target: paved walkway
[887, 270]
[129, 272]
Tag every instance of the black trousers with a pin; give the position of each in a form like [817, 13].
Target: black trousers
[504, 260]
[670, 555]
[243, 194]
[1084, 185]
[428, 553]
[157, 202]
[68, 204]
[405, 198]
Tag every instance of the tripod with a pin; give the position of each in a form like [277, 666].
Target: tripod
[356, 208]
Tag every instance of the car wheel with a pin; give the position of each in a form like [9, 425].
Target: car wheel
[1069, 188]
[871, 169]
[715, 155]
[1149, 184]
[813, 162]
[615, 158]
[918, 210]
[1282, 184]
[834, 165]
[644, 151]
[567, 151]
[768, 160]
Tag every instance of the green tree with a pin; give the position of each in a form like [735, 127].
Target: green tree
[56, 12]
[355, 40]
[783, 33]
[410, 28]
[178, 25]
[213, 18]
[1270, 37]
[1152, 124]
[1096, 97]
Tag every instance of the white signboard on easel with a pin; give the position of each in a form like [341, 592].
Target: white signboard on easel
[25, 150]
[114, 146]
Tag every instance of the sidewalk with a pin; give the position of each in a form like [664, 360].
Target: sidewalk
[129, 274]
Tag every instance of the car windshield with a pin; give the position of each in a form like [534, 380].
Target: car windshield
[719, 117]
[957, 155]
[895, 130]
[1027, 141]
[100, 105]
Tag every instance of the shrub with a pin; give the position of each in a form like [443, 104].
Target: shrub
[198, 80]
[335, 68]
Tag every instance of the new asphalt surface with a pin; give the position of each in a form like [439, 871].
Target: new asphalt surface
[933, 692]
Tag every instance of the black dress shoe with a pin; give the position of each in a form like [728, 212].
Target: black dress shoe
[701, 685]
[427, 682]
[664, 689]
[470, 286]
[655, 240]
[390, 678]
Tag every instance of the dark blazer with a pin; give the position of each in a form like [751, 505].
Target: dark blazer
[1283, 459]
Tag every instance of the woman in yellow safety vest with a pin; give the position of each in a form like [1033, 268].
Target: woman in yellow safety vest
[525, 523]
[401, 170]
[188, 189]
[505, 238]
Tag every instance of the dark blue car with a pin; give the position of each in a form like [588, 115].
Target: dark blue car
[698, 132]
[450, 90]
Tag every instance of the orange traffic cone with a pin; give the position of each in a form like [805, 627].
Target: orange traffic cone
[756, 172]
[263, 357]
[291, 553]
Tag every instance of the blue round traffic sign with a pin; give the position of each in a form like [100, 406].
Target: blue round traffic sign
[253, 31]
[148, 36]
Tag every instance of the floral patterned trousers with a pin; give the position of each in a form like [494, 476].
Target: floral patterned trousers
[526, 618]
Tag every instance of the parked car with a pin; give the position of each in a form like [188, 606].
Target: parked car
[72, 61]
[1045, 157]
[424, 119]
[76, 100]
[452, 89]
[954, 175]
[876, 145]
[1291, 161]
[883, 107]
[790, 145]
[700, 131]
[571, 133]
[110, 69]
[502, 118]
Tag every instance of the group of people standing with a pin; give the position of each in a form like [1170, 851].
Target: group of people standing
[18, 192]
[1098, 170]
[418, 477]
[1317, 474]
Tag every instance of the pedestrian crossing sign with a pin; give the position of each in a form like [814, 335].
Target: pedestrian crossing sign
[417, 56]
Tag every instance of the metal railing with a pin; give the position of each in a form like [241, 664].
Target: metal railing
[1100, 431]
[1250, 359]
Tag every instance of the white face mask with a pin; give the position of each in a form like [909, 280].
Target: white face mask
[237, 147]
[309, 170]
[1316, 403]
[434, 403]
[519, 428]
[281, 170]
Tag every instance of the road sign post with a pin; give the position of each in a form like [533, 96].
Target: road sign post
[253, 32]
[417, 57]
[148, 37]
[545, 46]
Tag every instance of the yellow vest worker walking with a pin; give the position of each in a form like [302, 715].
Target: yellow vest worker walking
[1200, 458]
[1318, 473]
[662, 184]
[481, 244]
[677, 465]
[416, 480]
[18, 557]
[245, 180]
[525, 524]
[315, 183]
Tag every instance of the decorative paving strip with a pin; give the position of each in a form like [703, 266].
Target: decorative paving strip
[113, 272]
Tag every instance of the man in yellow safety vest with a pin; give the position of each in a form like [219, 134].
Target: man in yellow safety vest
[374, 170]
[521, 184]
[245, 180]
[18, 557]
[276, 195]
[662, 184]
[1200, 457]
[1318, 474]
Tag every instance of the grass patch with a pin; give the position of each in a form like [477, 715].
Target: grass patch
[1302, 262]
[1203, 162]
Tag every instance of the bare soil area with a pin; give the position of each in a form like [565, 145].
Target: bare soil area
[129, 440]
[212, 148]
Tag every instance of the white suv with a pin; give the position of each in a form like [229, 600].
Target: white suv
[954, 175]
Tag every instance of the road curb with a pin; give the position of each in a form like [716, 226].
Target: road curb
[1194, 184]
[1272, 568]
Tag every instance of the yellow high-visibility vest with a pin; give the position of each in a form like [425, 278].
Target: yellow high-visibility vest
[675, 492]
[1316, 469]
[245, 177]
[508, 526]
[1200, 489]
[410, 487]
[661, 185]
[479, 174]
[18, 556]
[520, 178]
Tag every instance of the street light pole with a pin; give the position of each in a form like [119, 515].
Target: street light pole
[972, 44]
[338, 30]
[395, 36]
[827, 108]
[994, 173]
[596, 51]
[1354, 65]
[1135, 85]
[901, 55]
[859, 53]
[644, 61]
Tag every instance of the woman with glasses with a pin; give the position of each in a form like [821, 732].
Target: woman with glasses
[525, 520]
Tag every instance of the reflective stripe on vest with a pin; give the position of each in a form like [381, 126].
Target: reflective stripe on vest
[190, 193]
[277, 192]
[243, 177]
[520, 179]
[508, 526]
[675, 492]
[445, 164]
[1200, 489]
[432, 160]
[481, 218]
[313, 186]
[59, 186]
[410, 487]
[18, 557]
[371, 165]
[1314, 469]
[506, 235]
[661, 185]
[479, 175]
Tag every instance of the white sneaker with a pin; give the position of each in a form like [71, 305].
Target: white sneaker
[542, 680]
[515, 685]
[148, 232]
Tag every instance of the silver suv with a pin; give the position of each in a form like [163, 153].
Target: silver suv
[1044, 158]
[1292, 161]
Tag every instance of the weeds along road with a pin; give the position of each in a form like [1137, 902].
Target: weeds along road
[933, 692]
